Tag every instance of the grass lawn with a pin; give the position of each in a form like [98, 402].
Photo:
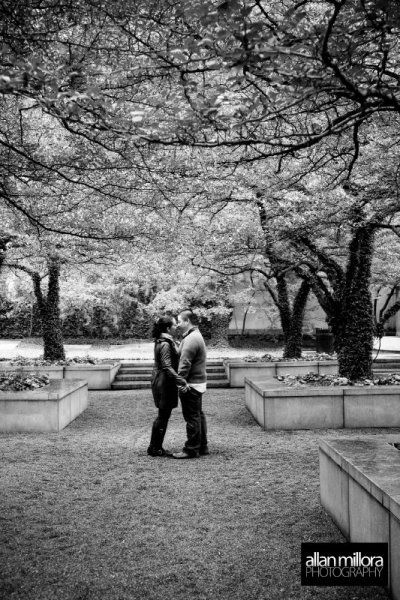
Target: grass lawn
[87, 515]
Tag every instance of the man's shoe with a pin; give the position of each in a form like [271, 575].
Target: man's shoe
[204, 451]
[184, 455]
[160, 452]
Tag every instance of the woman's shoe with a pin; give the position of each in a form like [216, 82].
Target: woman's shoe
[158, 452]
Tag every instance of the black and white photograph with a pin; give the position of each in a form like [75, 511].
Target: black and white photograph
[200, 299]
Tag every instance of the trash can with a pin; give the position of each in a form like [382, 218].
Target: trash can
[324, 341]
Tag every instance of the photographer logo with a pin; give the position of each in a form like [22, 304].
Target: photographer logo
[344, 564]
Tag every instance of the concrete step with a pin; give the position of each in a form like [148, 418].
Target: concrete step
[142, 385]
[391, 359]
[150, 363]
[147, 376]
[218, 383]
[379, 372]
[124, 369]
[133, 371]
[134, 375]
[131, 385]
[386, 365]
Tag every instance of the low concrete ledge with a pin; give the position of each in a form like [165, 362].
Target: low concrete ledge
[47, 409]
[237, 371]
[360, 489]
[277, 406]
[372, 406]
[98, 377]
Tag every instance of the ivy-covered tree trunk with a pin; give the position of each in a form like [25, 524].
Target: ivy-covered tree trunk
[292, 317]
[219, 330]
[346, 299]
[354, 329]
[49, 308]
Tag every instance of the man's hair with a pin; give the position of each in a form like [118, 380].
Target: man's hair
[189, 315]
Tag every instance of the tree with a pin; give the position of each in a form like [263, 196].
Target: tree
[48, 305]
[273, 79]
[305, 227]
[279, 78]
[42, 255]
[49, 309]
[240, 240]
[301, 81]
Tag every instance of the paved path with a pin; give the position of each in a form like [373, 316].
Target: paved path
[389, 344]
[137, 350]
[144, 350]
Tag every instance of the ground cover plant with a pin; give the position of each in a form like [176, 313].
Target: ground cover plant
[310, 356]
[13, 381]
[24, 361]
[317, 380]
[87, 515]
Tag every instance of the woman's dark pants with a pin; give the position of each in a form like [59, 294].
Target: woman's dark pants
[160, 427]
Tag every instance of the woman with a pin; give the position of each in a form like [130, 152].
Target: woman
[165, 381]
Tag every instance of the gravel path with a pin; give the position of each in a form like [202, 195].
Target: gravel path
[87, 515]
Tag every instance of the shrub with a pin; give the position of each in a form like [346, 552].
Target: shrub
[16, 381]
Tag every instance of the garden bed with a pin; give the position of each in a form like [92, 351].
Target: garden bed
[98, 377]
[98, 374]
[277, 406]
[53, 371]
[47, 409]
[14, 381]
[261, 368]
[238, 370]
[360, 489]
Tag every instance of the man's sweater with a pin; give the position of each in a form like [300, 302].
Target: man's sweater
[193, 357]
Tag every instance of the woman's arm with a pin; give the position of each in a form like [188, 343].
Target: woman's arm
[166, 365]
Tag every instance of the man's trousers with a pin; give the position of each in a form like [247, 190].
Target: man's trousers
[196, 425]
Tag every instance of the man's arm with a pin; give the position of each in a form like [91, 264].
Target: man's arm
[188, 352]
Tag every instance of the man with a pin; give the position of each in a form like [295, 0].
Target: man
[192, 367]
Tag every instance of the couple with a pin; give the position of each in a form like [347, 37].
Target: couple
[180, 371]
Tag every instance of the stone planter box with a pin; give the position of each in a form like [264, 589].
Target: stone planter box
[360, 489]
[98, 377]
[276, 406]
[237, 371]
[47, 409]
[53, 371]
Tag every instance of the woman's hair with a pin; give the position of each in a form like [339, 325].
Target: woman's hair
[161, 325]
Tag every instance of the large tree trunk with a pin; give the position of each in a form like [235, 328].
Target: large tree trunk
[292, 317]
[293, 340]
[347, 301]
[219, 330]
[353, 326]
[49, 308]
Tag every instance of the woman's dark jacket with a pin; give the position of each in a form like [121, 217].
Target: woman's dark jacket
[165, 378]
